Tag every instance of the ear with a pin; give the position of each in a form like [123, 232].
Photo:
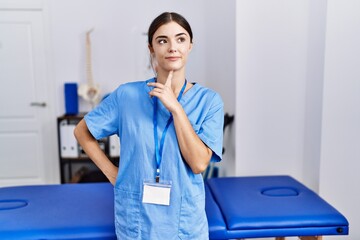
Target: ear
[151, 49]
[190, 47]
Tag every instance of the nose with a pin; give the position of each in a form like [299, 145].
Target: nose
[172, 47]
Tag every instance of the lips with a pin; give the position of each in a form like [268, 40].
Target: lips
[172, 58]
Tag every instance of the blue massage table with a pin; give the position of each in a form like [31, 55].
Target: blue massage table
[269, 206]
[238, 207]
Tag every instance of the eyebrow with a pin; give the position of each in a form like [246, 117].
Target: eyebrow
[177, 35]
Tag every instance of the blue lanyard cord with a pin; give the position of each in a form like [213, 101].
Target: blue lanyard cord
[158, 152]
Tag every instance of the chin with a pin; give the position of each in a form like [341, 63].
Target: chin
[172, 67]
[175, 68]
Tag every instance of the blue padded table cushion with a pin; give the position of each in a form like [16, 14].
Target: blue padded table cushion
[216, 223]
[68, 211]
[268, 206]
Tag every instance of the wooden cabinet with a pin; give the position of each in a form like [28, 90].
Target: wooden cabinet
[75, 165]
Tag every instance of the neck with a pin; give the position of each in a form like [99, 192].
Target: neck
[177, 81]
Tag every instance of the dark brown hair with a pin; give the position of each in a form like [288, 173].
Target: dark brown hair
[165, 18]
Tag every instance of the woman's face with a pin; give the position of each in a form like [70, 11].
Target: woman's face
[171, 46]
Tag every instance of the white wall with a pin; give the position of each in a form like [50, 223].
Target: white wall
[297, 102]
[314, 90]
[276, 46]
[220, 68]
[340, 148]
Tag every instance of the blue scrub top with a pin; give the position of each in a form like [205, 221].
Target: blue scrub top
[128, 112]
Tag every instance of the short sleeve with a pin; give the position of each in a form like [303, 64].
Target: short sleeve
[103, 120]
[211, 130]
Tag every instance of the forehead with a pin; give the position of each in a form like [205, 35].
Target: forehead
[170, 29]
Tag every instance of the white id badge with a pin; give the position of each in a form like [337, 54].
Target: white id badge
[157, 192]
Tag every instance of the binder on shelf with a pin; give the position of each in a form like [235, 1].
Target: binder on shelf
[114, 146]
[68, 144]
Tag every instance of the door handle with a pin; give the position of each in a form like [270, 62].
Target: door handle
[38, 104]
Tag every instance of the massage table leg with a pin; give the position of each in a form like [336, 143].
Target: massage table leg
[303, 238]
[311, 238]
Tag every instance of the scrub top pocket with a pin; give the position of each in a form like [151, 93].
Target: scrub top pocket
[127, 213]
[192, 222]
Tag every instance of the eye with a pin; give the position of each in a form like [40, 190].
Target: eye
[161, 41]
[181, 39]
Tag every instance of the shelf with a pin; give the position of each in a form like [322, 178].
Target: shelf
[72, 157]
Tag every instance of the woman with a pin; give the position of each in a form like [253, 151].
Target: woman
[169, 129]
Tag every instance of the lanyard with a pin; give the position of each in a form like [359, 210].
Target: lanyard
[158, 152]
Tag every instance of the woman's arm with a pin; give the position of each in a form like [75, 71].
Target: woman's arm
[193, 149]
[95, 153]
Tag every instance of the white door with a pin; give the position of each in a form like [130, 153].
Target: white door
[27, 139]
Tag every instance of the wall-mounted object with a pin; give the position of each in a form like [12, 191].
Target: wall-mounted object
[89, 91]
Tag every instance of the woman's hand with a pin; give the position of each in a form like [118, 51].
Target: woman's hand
[165, 93]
